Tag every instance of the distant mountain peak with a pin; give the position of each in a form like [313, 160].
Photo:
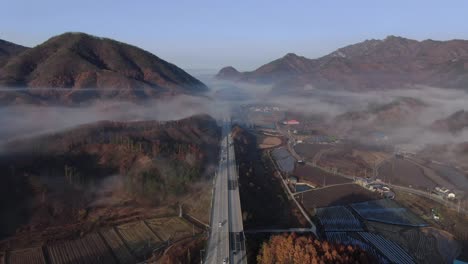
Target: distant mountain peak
[228, 73]
[291, 55]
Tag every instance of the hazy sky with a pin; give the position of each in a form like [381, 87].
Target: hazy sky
[201, 34]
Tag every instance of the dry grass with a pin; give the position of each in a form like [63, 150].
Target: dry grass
[371, 157]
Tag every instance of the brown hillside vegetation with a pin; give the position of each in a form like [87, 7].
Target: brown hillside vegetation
[8, 50]
[77, 62]
[99, 173]
[305, 249]
[393, 62]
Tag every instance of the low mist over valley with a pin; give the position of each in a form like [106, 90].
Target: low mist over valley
[111, 154]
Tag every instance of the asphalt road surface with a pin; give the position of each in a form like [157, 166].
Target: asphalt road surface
[226, 243]
[238, 254]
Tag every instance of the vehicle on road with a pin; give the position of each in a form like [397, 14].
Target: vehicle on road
[220, 224]
[225, 261]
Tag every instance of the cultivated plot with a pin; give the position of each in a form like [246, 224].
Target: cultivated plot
[139, 238]
[338, 218]
[284, 159]
[89, 249]
[26, 256]
[388, 248]
[406, 173]
[387, 211]
[117, 246]
[337, 195]
[170, 228]
[318, 177]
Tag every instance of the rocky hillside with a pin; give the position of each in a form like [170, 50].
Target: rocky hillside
[393, 62]
[77, 61]
[8, 50]
[107, 170]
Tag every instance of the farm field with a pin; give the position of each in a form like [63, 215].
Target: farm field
[318, 177]
[338, 218]
[26, 256]
[425, 245]
[387, 211]
[308, 151]
[284, 159]
[371, 157]
[89, 249]
[117, 246]
[171, 228]
[405, 173]
[352, 238]
[139, 238]
[337, 195]
[388, 248]
[456, 177]
[450, 220]
[343, 159]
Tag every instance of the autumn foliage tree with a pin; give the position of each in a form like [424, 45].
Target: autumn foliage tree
[294, 249]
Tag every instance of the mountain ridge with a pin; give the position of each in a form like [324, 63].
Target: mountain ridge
[393, 62]
[8, 50]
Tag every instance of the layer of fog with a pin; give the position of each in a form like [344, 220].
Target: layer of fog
[439, 103]
[28, 120]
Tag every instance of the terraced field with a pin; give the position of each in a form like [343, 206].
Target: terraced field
[139, 238]
[338, 218]
[89, 249]
[26, 256]
[124, 244]
[387, 211]
[170, 228]
[121, 252]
